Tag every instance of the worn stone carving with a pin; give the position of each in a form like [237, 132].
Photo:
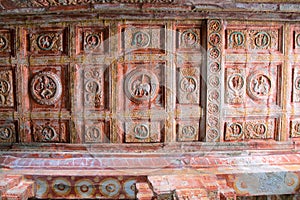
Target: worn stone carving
[259, 85]
[235, 85]
[259, 129]
[267, 183]
[47, 42]
[50, 131]
[188, 38]
[296, 39]
[3, 42]
[46, 88]
[142, 39]
[52, 3]
[295, 128]
[189, 86]
[296, 85]
[187, 131]
[143, 131]
[95, 132]
[6, 41]
[214, 41]
[6, 89]
[7, 132]
[141, 85]
[252, 38]
[236, 39]
[93, 88]
[91, 40]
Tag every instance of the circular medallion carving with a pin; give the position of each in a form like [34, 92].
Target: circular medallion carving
[213, 121]
[140, 39]
[92, 41]
[236, 130]
[4, 86]
[236, 82]
[110, 187]
[46, 88]
[214, 81]
[45, 42]
[213, 95]
[92, 133]
[188, 84]
[48, 133]
[262, 39]
[5, 133]
[213, 108]
[214, 26]
[129, 187]
[297, 83]
[141, 85]
[214, 53]
[189, 38]
[212, 134]
[214, 67]
[297, 128]
[141, 131]
[188, 131]
[297, 40]
[214, 39]
[85, 188]
[259, 86]
[3, 43]
[237, 39]
[92, 86]
[260, 129]
[61, 186]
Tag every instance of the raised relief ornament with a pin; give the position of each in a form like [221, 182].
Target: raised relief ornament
[3, 43]
[140, 39]
[48, 133]
[46, 88]
[93, 88]
[259, 86]
[236, 85]
[6, 89]
[6, 132]
[141, 85]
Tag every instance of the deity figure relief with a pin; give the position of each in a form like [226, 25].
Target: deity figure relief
[3, 43]
[141, 131]
[45, 87]
[261, 87]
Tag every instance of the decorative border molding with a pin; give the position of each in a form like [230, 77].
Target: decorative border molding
[214, 72]
[53, 3]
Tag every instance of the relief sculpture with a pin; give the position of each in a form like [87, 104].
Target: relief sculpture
[250, 38]
[47, 42]
[188, 92]
[7, 133]
[6, 42]
[6, 89]
[141, 85]
[93, 88]
[259, 86]
[49, 131]
[214, 43]
[143, 131]
[259, 129]
[46, 88]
